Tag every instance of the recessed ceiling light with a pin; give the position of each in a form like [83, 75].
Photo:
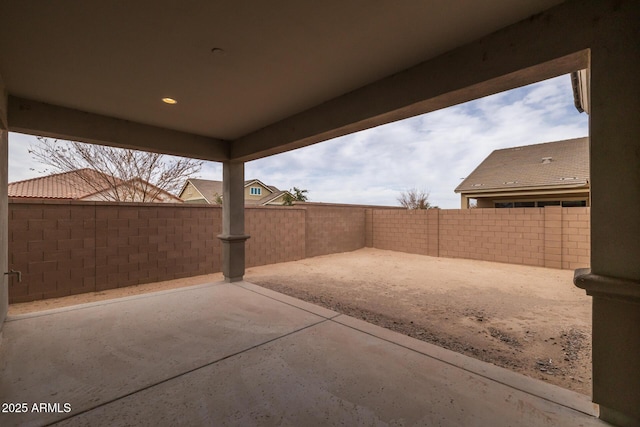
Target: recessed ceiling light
[170, 101]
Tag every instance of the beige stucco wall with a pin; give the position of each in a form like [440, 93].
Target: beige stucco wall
[277, 201]
[190, 194]
[249, 196]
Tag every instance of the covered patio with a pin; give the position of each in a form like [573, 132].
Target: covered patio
[244, 81]
[238, 354]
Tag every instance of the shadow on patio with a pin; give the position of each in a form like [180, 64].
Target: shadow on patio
[238, 354]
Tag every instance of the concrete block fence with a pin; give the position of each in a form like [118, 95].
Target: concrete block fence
[552, 236]
[64, 248]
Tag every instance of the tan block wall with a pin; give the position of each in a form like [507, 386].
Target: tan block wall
[65, 248]
[514, 236]
[334, 229]
[576, 238]
[368, 227]
[277, 235]
[552, 237]
[412, 231]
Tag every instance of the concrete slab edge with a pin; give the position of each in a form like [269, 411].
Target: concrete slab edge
[294, 302]
[552, 393]
[109, 301]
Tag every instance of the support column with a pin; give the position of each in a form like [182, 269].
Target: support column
[4, 226]
[614, 278]
[233, 237]
[4, 207]
[464, 202]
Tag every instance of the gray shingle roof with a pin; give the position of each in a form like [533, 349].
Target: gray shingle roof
[208, 188]
[552, 164]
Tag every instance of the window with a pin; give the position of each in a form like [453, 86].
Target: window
[574, 203]
[255, 191]
[503, 205]
[524, 205]
[550, 203]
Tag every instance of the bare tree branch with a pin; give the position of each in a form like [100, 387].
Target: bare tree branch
[117, 174]
[415, 199]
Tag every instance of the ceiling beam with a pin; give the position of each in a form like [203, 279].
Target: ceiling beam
[529, 51]
[37, 118]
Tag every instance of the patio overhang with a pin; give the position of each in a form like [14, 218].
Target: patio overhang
[256, 81]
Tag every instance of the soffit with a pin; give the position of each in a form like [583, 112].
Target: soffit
[280, 57]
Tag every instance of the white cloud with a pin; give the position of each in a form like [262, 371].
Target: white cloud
[431, 152]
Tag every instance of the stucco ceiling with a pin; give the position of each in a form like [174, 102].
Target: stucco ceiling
[278, 57]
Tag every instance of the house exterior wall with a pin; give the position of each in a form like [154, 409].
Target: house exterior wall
[278, 201]
[192, 195]
[68, 247]
[249, 196]
[484, 203]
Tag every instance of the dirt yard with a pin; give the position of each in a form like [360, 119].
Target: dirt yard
[528, 319]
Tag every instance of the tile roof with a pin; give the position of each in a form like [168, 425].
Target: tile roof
[67, 185]
[70, 186]
[552, 164]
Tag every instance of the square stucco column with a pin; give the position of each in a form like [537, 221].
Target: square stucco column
[614, 278]
[233, 237]
[464, 202]
[4, 226]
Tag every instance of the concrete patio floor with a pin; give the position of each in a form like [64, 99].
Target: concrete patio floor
[238, 354]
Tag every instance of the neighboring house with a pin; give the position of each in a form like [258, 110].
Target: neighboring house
[71, 186]
[210, 192]
[549, 174]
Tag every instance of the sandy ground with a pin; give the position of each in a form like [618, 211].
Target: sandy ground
[528, 319]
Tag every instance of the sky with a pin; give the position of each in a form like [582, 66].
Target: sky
[432, 152]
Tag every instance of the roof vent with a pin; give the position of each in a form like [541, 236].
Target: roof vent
[510, 182]
[547, 160]
[477, 185]
[568, 178]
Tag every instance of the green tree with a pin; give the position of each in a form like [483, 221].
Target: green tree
[295, 195]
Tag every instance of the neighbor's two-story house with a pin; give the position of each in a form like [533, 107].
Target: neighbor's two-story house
[210, 192]
[549, 174]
